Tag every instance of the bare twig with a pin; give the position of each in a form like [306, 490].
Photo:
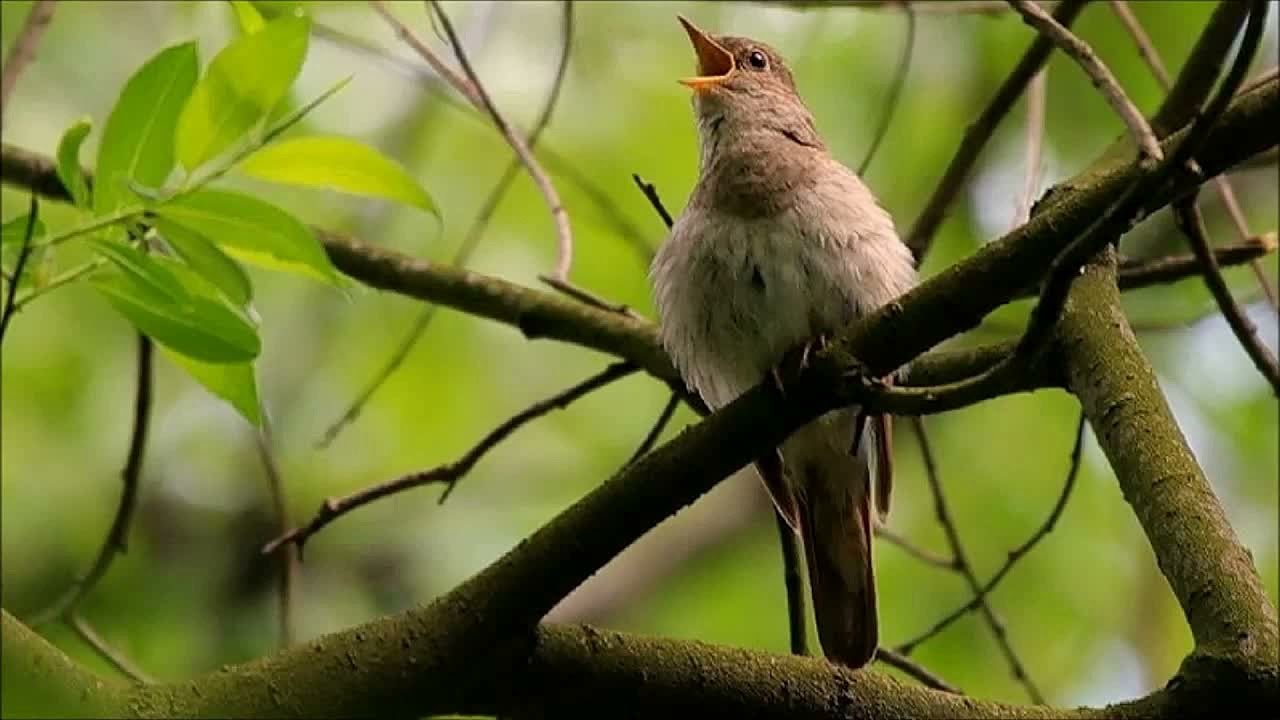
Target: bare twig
[104, 649]
[979, 597]
[927, 557]
[1136, 274]
[651, 193]
[895, 88]
[117, 537]
[1119, 216]
[560, 165]
[449, 473]
[585, 296]
[471, 239]
[1098, 72]
[1191, 222]
[540, 178]
[463, 85]
[980, 132]
[24, 253]
[1146, 48]
[1035, 144]
[793, 582]
[655, 432]
[1153, 60]
[966, 569]
[924, 7]
[288, 559]
[24, 47]
[915, 670]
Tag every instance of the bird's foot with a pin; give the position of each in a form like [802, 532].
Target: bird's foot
[795, 361]
[861, 373]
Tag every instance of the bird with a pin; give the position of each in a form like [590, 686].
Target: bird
[779, 247]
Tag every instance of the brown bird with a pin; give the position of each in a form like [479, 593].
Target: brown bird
[779, 247]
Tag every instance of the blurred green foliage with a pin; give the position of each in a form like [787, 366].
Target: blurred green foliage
[1088, 611]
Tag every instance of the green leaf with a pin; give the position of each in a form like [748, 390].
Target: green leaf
[337, 163]
[207, 259]
[137, 141]
[174, 307]
[233, 382]
[69, 170]
[253, 230]
[247, 16]
[243, 83]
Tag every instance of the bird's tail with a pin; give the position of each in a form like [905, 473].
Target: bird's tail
[835, 501]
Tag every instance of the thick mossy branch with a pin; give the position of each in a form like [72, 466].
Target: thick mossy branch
[393, 667]
[1210, 571]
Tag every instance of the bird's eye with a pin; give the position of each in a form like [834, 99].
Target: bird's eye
[757, 60]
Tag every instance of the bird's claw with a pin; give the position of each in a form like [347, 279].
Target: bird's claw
[862, 374]
[796, 361]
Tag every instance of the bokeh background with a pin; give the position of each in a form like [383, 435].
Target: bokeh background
[1088, 610]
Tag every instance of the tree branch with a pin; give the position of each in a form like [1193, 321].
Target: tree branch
[518, 144]
[1191, 222]
[1210, 572]
[23, 50]
[1135, 273]
[965, 568]
[117, 538]
[1017, 553]
[1097, 71]
[450, 473]
[980, 131]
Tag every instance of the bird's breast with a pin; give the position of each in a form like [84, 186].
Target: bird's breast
[734, 294]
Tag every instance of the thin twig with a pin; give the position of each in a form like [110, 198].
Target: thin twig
[651, 193]
[1226, 193]
[1098, 72]
[23, 50]
[1191, 222]
[979, 597]
[586, 297]
[1124, 212]
[980, 131]
[655, 432]
[915, 670]
[24, 253]
[1146, 48]
[463, 85]
[560, 165]
[1120, 216]
[966, 569]
[925, 556]
[449, 473]
[470, 242]
[793, 582]
[1036, 98]
[108, 653]
[288, 559]
[924, 7]
[564, 259]
[895, 88]
[1134, 274]
[117, 537]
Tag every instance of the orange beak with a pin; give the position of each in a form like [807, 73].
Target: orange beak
[714, 62]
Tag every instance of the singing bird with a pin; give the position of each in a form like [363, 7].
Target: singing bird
[779, 247]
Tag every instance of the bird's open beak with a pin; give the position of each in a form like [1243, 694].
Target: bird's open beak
[714, 62]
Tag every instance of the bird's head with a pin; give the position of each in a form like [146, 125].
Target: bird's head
[744, 84]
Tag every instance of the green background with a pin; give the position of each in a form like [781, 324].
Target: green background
[1088, 611]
